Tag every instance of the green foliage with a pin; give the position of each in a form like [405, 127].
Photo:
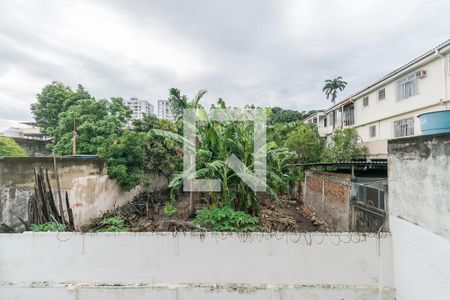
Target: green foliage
[169, 209]
[50, 226]
[226, 219]
[217, 141]
[163, 154]
[54, 99]
[179, 102]
[280, 115]
[331, 87]
[9, 147]
[344, 147]
[113, 224]
[98, 124]
[126, 158]
[306, 142]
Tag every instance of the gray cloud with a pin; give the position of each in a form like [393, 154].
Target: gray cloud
[261, 52]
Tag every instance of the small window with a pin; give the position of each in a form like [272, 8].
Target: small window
[373, 131]
[408, 86]
[381, 94]
[325, 122]
[366, 101]
[404, 127]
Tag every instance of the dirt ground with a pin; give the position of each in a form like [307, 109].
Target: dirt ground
[145, 214]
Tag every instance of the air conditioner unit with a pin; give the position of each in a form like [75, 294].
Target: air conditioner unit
[421, 74]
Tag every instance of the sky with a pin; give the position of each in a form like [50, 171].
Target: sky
[267, 53]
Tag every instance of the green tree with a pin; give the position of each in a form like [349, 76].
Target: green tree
[163, 154]
[344, 147]
[54, 99]
[126, 158]
[179, 102]
[216, 142]
[306, 142]
[280, 115]
[97, 123]
[331, 87]
[9, 147]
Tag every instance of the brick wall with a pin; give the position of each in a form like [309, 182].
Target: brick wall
[329, 196]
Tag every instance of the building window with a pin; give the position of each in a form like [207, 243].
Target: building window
[408, 86]
[373, 131]
[325, 122]
[404, 127]
[366, 101]
[349, 115]
[381, 94]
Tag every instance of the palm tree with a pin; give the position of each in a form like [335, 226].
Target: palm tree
[332, 86]
[179, 102]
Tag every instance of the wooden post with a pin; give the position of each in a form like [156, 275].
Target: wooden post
[58, 186]
[74, 138]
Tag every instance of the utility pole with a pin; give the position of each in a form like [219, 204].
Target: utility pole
[74, 138]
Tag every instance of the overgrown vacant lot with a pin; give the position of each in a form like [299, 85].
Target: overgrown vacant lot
[153, 212]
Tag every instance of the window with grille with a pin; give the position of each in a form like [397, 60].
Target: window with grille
[349, 115]
[381, 94]
[408, 86]
[373, 131]
[371, 196]
[366, 101]
[404, 127]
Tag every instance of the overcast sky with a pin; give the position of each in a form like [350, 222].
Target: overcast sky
[269, 53]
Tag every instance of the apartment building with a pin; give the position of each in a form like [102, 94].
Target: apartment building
[389, 108]
[164, 111]
[139, 107]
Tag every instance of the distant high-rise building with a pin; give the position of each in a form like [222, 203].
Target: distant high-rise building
[164, 111]
[139, 107]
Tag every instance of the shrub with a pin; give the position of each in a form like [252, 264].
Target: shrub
[169, 209]
[345, 146]
[50, 226]
[8, 147]
[113, 224]
[226, 219]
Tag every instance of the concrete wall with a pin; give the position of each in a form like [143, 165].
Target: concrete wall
[419, 181]
[329, 196]
[195, 266]
[419, 187]
[33, 147]
[86, 181]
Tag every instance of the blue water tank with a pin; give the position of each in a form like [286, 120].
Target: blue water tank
[435, 122]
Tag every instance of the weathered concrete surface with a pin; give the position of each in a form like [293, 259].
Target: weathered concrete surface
[419, 181]
[419, 205]
[329, 195]
[86, 181]
[33, 147]
[421, 262]
[195, 266]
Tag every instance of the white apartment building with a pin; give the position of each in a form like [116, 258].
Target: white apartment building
[164, 111]
[388, 108]
[139, 107]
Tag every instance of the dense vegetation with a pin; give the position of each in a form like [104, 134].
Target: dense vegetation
[137, 148]
[8, 147]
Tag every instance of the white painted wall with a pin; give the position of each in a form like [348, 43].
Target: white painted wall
[252, 266]
[419, 206]
[434, 95]
[421, 262]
